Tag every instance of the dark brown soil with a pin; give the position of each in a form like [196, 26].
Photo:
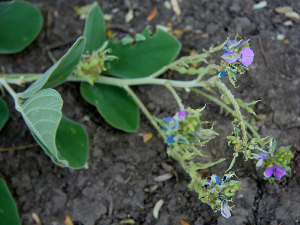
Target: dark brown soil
[121, 166]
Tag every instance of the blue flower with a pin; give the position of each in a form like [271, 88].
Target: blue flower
[223, 74]
[216, 179]
[170, 139]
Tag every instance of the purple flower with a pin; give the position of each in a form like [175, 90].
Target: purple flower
[245, 56]
[261, 159]
[225, 209]
[278, 172]
[231, 42]
[181, 115]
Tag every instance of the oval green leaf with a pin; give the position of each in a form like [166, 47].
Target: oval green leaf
[20, 24]
[72, 143]
[145, 57]
[42, 114]
[114, 104]
[4, 113]
[8, 209]
[59, 72]
[94, 30]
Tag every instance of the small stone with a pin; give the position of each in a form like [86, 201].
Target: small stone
[292, 15]
[288, 23]
[284, 9]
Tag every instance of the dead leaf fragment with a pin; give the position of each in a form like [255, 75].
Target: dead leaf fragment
[68, 220]
[163, 177]
[183, 222]
[83, 9]
[109, 33]
[147, 137]
[176, 7]
[205, 171]
[129, 16]
[292, 15]
[157, 207]
[284, 9]
[36, 218]
[152, 15]
[260, 5]
[178, 32]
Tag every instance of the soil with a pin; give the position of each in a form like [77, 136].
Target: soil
[121, 167]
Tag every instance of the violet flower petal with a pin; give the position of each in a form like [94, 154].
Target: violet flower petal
[263, 154]
[268, 172]
[230, 57]
[279, 172]
[230, 42]
[225, 210]
[247, 56]
[243, 43]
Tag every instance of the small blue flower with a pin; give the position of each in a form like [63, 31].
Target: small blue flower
[223, 74]
[170, 139]
[216, 179]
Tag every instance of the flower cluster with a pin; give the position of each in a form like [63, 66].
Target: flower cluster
[91, 65]
[184, 130]
[215, 192]
[238, 56]
[275, 160]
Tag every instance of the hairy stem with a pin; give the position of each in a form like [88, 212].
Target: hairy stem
[145, 110]
[176, 96]
[227, 108]
[227, 92]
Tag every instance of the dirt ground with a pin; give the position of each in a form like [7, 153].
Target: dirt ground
[121, 167]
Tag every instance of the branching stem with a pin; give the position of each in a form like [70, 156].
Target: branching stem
[145, 111]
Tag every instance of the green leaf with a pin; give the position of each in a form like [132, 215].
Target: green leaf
[145, 57]
[59, 72]
[20, 24]
[94, 30]
[4, 113]
[72, 142]
[42, 114]
[114, 104]
[8, 209]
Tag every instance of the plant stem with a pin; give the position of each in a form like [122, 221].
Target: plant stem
[145, 111]
[230, 110]
[19, 148]
[227, 92]
[11, 92]
[174, 93]
[120, 82]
